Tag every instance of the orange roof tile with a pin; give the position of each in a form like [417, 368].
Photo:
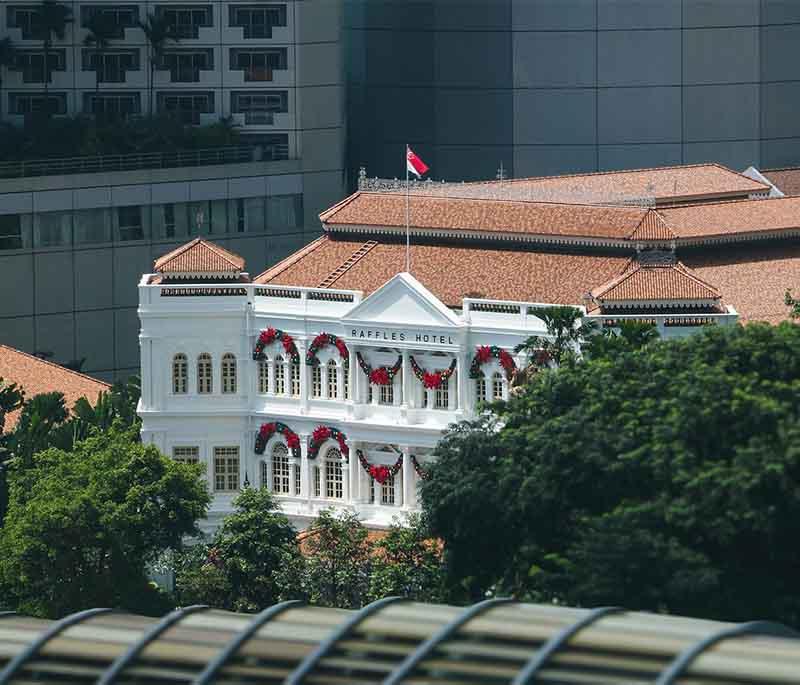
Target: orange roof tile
[653, 227]
[37, 376]
[785, 180]
[199, 256]
[384, 209]
[661, 282]
[734, 217]
[452, 272]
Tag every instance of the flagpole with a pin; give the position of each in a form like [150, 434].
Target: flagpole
[408, 230]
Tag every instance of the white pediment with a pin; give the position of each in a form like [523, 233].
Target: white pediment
[402, 302]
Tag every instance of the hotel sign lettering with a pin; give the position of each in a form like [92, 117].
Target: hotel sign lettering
[400, 336]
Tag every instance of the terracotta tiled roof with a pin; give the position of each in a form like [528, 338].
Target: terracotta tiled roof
[653, 227]
[199, 256]
[484, 215]
[452, 272]
[37, 376]
[671, 184]
[753, 278]
[659, 282]
[785, 180]
[718, 219]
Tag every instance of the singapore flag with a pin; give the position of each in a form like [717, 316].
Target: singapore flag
[414, 164]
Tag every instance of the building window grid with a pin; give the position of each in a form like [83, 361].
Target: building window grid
[27, 104]
[204, 374]
[263, 377]
[186, 20]
[259, 107]
[333, 380]
[386, 394]
[497, 386]
[388, 491]
[113, 107]
[10, 232]
[186, 107]
[258, 65]
[296, 478]
[257, 21]
[130, 222]
[334, 476]
[280, 376]
[119, 17]
[316, 380]
[441, 395]
[31, 64]
[180, 374]
[114, 66]
[480, 388]
[28, 19]
[184, 66]
[186, 455]
[295, 370]
[317, 479]
[280, 469]
[226, 469]
[228, 373]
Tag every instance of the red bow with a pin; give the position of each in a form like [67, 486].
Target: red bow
[379, 376]
[380, 473]
[432, 380]
[287, 342]
[320, 434]
[267, 429]
[507, 361]
[292, 441]
[267, 336]
[484, 354]
[342, 348]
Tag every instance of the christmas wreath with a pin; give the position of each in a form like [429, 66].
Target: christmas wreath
[383, 375]
[267, 430]
[269, 336]
[380, 472]
[321, 341]
[432, 380]
[321, 434]
[484, 353]
[421, 472]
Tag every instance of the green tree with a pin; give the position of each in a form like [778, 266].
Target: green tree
[158, 31]
[406, 562]
[335, 566]
[794, 304]
[11, 397]
[237, 570]
[8, 60]
[566, 330]
[101, 30]
[664, 478]
[54, 18]
[82, 526]
[625, 337]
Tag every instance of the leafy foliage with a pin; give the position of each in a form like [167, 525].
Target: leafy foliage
[565, 331]
[663, 478]
[83, 525]
[794, 304]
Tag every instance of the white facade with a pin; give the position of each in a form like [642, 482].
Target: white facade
[218, 425]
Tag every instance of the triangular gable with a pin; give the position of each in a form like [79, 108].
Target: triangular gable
[402, 301]
[199, 256]
[653, 227]
[662, 282]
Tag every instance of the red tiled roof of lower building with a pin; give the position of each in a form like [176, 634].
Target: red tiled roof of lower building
[199, 256]
[719, 219]
[752, 278]
[452, 272]
[653, 227]
[785, 180]
[36, 376]
[662, 282]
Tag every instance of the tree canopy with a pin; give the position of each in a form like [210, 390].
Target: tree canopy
[660, 478]
[82, 526]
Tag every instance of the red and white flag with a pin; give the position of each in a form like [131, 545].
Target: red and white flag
[414, 164]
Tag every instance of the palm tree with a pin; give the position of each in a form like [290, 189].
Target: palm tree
[7, 60]
[11, 397]
[158, 30]
[101, 31]
[54, 19]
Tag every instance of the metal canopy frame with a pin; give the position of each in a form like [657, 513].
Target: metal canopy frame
[19, 661]
[232, 647]
[427, 647]
[683, 661]
[123, 660]
[308, 664]
[538, 661]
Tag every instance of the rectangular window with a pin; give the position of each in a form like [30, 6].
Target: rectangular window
[130, 223]
[387, 491]
[119, 17]
[240, 216]
[259, 108]
[263, 377]
[10, 232]
[186, 107]
[169, 220]
[186, 455]
[258, 65]
[441, 396]
[92, 226]
[480, 388]
[37, 104]
[280, 474]
[31, 64]
[317, 489]
[226, 469]
[257, 21]
[295, 378]
[110, 67]
[112, 107]
[316, 380]
[186, 20]
[53, 229]
[333, 382]
[387, 394]
[185, 66]
[284, 212]
[333, 479]
[297, 479]
[280, 377]
[28, 19]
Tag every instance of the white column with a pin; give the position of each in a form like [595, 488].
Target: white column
[376, 491]
[305, 474]
[353, 375]
[324, 376]
[346, 481]
[408, 398]
[271, 377]
[460, 382]
[452, 387]
[408, 476]
[340, 381]
[301, 350]
[353, 467]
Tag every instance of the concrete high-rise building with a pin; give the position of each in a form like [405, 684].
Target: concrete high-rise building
[557, 86]
[75, 233]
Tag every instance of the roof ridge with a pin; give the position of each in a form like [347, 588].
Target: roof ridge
[689, 273]
[57, 366]
[221, 252]
[341, 203]
[649, 213]
[277, 269]
[738, 173]
[597, 173]
[231, 258]
[730, 201]
[165, 258]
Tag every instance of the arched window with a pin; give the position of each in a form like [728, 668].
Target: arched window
[204, 374]
[333, 474]
[316, 379]
[480, 387]
[295, 378]
[280, 469]
[441, 396]
[497, 385]
[228, 373]
[280, 377]
[333, 380]
[263, 377]
[180, 374]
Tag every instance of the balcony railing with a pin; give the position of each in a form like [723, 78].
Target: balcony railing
[149, 160]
